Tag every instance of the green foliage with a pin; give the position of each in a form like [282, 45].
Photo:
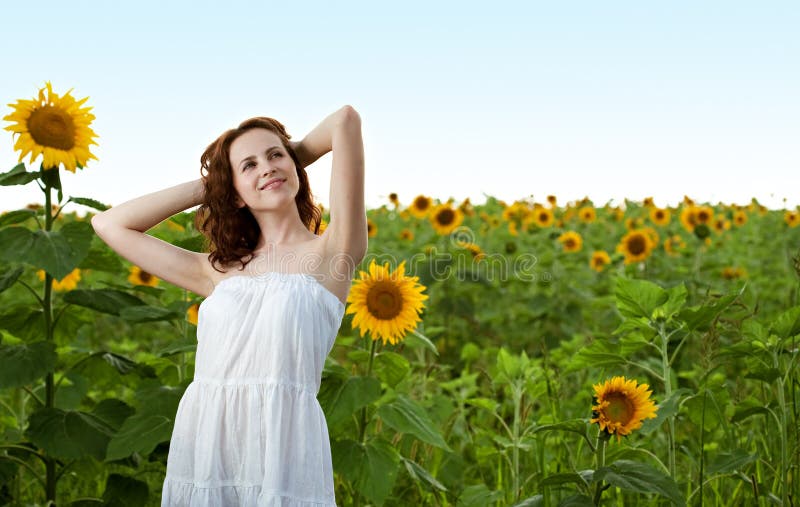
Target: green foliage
[488, 402]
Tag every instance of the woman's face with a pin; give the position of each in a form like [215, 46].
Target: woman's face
[257, 157]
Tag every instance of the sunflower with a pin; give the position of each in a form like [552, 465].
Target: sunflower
[175, 226]
[600, 259]
[648, 202]
[587, 214]
[55, 127]
[634, 223]
[688, 200]
[653, 234]
[474, 249]
[618, 213]
[516, 212]
[386, 304]
[688, 218]
[659, 216]
[571, 241]
[323, 224]
[372, 228]
[722, 224]
[636, 245]
[621, 405]
[543, 217]
[733, 273]
[67, 283]
[407, 235]
[792, 218]
[191, 313]
[466, 207]
[740, 218]
[673, 244]
[394, 199]
[512, 229]
[704, 214]
[420, 206]
[445, 218]
[140, 277]
[551, 199]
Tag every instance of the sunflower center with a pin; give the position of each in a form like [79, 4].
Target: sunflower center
[543, 217]
[637, 245]
[384, 300]
[421, 204]
[53, 127]
[620, 408]
[145, 277]
[445, 217]
[569, 243]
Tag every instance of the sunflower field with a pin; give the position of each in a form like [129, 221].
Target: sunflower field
[498, 354]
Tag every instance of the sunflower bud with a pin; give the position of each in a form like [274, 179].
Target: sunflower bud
[702, 231]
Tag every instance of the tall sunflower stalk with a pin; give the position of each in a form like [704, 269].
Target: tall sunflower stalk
[387, 305]
[667, 377]
[600, 461]
[50, 464]
[57, 128]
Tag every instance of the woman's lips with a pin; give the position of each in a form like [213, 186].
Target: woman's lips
[273, 185]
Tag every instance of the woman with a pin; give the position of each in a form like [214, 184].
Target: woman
[249, 429]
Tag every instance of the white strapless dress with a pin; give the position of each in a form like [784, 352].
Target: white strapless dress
[249, 430]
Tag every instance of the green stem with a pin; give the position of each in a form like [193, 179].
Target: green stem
[363, 427]
[600, 455]
[667, 393]
[517, 408]
[784, 441]
[50, 464]
[363, 435]
[702, 446]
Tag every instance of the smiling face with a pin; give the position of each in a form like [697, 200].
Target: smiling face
[257, 157]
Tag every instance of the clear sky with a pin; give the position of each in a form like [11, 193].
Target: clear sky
[457, 99]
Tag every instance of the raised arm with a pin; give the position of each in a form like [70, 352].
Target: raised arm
[341, 133]
[123, 228]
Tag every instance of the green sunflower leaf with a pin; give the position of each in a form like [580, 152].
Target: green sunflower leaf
[638, 298]
[371, 468]
[18, 176]
[57, 252]
[7, 278]
[391, 367]
[16, 216]
[85, 201]
[354, 393]
[23, 364]
[103, 300]
[139, 433]
[641, 478]
[420, 475]
[69, 434]
[406, 416]
[135, 492]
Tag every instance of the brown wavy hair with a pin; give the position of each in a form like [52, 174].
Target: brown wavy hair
[232, 233]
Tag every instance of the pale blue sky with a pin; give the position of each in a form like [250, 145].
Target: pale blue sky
[600, 99]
